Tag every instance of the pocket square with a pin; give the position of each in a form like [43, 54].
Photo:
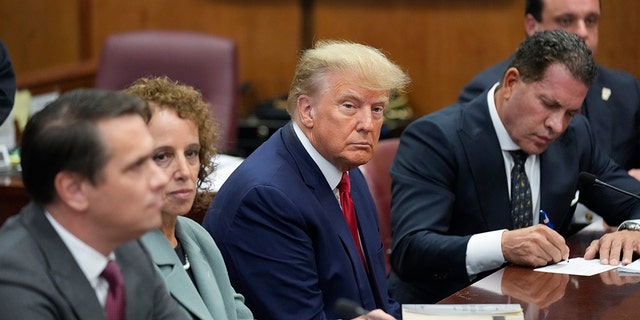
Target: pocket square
[606, 93]
[575, 198]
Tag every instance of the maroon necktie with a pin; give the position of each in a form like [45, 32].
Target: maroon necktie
[115, 304]
[344, 187]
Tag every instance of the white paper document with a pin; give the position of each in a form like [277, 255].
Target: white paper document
[633, 267]
[577, 266]
[462, 311]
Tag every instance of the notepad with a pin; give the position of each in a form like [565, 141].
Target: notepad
[462, 311]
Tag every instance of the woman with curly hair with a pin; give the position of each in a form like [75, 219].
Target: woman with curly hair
[184, 253]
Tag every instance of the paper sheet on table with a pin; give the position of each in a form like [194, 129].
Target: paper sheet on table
[462, 311]
[633, 267]
[578, 267]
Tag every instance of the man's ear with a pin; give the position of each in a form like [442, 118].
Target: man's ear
[71, 189]
[509, 81]
[306, 112]
[530, 25]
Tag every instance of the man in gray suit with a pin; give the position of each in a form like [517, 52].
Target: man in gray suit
[86, 161]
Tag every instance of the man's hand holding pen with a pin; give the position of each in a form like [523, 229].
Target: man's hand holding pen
[534, 246]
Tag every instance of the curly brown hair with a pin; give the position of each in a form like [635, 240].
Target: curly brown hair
[162, 92]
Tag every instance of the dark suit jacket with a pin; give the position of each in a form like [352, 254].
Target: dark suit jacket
[39, 278]
[7, 83]
[449, 182]
[615, 121]
[285, 241]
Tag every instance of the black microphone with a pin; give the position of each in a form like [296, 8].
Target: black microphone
[586, 178]
[348, 309]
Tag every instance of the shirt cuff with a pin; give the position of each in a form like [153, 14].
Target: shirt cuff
[484, 252]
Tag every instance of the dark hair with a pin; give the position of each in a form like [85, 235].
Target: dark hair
[63, 137]
[542, 49]
[534, 8]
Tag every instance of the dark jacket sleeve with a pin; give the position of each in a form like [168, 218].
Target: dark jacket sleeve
[7, 83]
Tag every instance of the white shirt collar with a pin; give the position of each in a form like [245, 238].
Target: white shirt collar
[506, 143]
[329, 171]
[532, 165]
[91, 262]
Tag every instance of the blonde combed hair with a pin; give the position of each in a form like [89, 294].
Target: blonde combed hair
[375, 71]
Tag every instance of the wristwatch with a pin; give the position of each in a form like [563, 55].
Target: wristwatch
[629, 225]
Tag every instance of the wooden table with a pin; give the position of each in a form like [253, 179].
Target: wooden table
[609, 295]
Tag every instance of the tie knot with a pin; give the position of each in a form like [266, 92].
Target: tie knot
[345, 183]
[112, 274]
[519, 156]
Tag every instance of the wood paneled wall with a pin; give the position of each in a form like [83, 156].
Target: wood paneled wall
[441, 43]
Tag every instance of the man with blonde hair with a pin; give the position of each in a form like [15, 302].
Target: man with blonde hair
[294, 236]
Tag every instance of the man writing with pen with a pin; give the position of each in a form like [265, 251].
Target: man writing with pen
[470, 180]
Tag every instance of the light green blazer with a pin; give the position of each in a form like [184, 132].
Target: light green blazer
[216, 298]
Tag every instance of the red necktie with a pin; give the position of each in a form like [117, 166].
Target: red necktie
[344, 187]
[115, 304]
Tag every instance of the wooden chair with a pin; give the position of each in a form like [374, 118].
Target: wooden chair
[376, 172]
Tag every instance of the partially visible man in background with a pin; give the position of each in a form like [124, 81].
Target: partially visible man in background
[612, 104]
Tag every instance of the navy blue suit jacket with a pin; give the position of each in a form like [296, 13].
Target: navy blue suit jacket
[7, 83]
[449, 182]
[285, 241]
[615, 120]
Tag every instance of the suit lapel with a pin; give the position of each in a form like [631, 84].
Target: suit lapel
[315, 180]
[210, 300]
[556, 189]
[63, 269]
[480, 144]
[370, 238]
[176, 278]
